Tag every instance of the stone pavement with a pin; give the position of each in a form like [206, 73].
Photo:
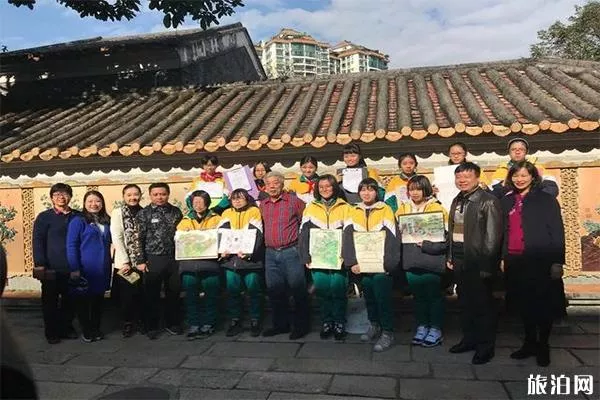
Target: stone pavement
[276, 368]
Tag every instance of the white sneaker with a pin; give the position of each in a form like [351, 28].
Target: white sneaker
[434, 338]
[422, 331]
[373, 333]
[385, 341]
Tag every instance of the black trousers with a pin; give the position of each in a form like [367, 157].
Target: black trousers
[162, 270]
[130, 299]
[89, 313]
[479, 316]
[57, 306]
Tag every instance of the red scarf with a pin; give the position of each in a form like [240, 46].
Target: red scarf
[310, 182]
[210, 178]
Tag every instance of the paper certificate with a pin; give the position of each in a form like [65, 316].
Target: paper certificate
[443, 178]
[214, 189]
[351, 178]
[425, 226]
[325, 248]
[196, 245]
[370, 250]
[234, 241]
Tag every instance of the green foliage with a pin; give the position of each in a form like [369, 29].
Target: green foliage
[205, 12]
[7, 234]
[592, 227]
[47, 203]
[578, 39]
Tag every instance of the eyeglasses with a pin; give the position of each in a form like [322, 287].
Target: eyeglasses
[60, 194]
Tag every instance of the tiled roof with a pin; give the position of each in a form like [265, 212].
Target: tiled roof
[501, 98]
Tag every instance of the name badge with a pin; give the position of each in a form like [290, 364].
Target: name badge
[154, 220]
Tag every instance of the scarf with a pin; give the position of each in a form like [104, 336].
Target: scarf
[310, 182]
[210, 178]
[131, 231]
[260, 184]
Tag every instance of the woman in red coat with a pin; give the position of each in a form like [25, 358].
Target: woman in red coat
[534, 254]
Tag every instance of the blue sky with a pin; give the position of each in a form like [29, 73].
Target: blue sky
[412, 32]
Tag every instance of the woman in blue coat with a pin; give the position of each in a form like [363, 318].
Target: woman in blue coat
[88, 254]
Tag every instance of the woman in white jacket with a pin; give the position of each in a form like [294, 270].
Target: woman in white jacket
[124, 231]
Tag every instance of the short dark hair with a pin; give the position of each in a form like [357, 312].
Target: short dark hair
[199, 193]
[402, 156]
[264, 164]
[159, 185]
[422, 183]
[518, 140]
[309, 159]
[103, 216]
[237, 193]
[459, 144]
[337, 190]
[531, 169]
[209, 158]
[61, 187]
[468, 166]
[369, 183]
[131, 186]
[352, 148]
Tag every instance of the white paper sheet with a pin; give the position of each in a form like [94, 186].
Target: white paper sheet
[351, 178]
[444, 182]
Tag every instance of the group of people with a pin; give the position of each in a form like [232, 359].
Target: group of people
[511, 224]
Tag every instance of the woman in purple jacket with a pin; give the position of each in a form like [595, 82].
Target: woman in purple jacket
[88, 254]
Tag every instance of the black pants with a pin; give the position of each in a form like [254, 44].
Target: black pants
[57, 306]
[130, 299]
[89, 313]
[162, 270]
[478, 309]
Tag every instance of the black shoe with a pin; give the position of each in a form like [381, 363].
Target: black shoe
[482, 358]
[128, 330]
[526, 351]
[174, 330]
[275, 331]
[339, 331]
[255, 328]
[326, 330]
[461, 347]
[98, 336]
[53, 340]
[153, 334]
[298, 334]
[542, 356]
[235, 328]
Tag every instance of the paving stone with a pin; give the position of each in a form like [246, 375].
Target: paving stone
[589, 357]
[337, 351]
[285, 381]
[363, 386]
[228, 363]
[151, 360]
[67, 391]
[214, 394]
[452, 371]
[140, 391]
[79, 346]
[245, 349]
[397, 352]
[379, 368]
[440, 355]
[491, 372]
[518, 391]
[44, 357]
[166, 344]
[211, 379]
[128, 375]
[450, 389]
[68, 373]
[590, 326]
[575, 341]
[304, 396]
[558, 357]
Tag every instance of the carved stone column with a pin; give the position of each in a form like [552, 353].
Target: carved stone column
[569, 195]
[28, 218]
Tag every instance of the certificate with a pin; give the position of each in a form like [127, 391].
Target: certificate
[370, 250]
[241, 178]
[325, 248]
[214, 189]
[234, 241]
[351, 178]
[443, 178]
[196, 245]
[424, 226]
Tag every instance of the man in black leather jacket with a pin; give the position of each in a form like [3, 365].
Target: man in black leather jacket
[475, 235]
